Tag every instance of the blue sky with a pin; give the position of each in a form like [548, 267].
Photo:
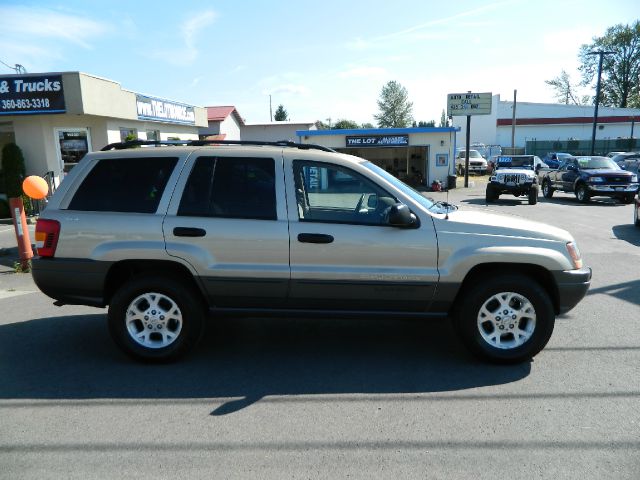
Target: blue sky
[320, 60]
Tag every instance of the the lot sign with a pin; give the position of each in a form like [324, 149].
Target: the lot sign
[468, 103]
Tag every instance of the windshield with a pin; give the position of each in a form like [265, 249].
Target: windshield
[472, 154]
[400, 185]
[515, 162]
[592, 163]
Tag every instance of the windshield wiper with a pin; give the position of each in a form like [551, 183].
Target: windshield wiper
[448, 207]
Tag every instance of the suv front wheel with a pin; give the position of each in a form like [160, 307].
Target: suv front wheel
[506, 319]
[155, 318]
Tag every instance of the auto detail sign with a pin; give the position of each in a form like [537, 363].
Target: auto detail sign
[468, 103]
[31, 94]
[158, 110]
[378, 141]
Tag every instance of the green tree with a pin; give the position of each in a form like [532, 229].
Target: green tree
[422, 123]
[345, 124]
[565, 90]
[367, 125]
[395, 108]
[444, 121]
[13, 169]
[620, 71]
[320, 125]
[281, 114]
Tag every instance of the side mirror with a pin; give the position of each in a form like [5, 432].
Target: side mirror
[571, 168]
[399, 215]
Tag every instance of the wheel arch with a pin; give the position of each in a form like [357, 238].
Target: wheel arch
[125, 270]
[541, 275]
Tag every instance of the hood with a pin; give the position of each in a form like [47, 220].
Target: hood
[472, 221]
[519, 171]
[607, 172]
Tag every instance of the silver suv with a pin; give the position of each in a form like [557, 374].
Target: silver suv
[168, 235]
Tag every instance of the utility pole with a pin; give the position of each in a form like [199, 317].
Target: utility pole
[270, 109]
[513, 122]
[601, 53]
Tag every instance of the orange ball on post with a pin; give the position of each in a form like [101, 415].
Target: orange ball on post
[35, 187]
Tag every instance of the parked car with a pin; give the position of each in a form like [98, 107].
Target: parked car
[613, 154]
[591, 177]
[554, 159]
[477, 163]
[514, 175]
[168, 235]
[627, 161]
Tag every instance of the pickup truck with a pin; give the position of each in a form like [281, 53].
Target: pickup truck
[590, 177]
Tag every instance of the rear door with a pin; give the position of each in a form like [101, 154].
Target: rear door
[344, 256]
[228, 220]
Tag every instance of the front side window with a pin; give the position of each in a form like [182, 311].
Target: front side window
[124, 185]
[230, 187]
[334, 194]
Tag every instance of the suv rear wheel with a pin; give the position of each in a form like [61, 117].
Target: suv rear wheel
[506, 319]
[154, 318]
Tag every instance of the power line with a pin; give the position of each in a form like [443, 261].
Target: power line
[17, 67]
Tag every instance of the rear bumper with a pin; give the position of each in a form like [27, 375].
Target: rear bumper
[70, 280]
[572, 287]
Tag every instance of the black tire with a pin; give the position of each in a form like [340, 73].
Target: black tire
[628, 198]
[489, 194]
[184, 318]
[636, 220]
[582, 193]
[533, 196]
[547, 189]
[475, 327]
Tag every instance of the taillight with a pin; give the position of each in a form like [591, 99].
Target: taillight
[47, 233]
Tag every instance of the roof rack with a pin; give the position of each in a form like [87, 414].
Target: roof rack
[200, 143]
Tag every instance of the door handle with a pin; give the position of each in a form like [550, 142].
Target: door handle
[314, 238]
[189, 232]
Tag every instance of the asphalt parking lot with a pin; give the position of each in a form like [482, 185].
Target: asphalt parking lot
[303, 398]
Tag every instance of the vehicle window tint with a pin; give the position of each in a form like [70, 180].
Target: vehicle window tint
[333, 194]
[124, 185]
[231, 187]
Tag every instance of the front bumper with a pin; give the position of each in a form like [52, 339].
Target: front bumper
[613, 189]
[572, 287]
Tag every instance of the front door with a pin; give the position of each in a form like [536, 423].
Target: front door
[344, 256]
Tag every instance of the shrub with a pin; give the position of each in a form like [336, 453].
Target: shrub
[13, 169]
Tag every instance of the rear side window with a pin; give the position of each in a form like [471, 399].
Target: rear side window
[230, 187]
[124, 185]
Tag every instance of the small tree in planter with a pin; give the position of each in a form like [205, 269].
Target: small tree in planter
[14, 173]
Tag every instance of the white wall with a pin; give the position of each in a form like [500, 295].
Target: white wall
[484, 128]
[274, 132]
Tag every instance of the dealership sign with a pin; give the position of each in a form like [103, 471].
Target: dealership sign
[158, 110]
[31, 94]
[468, 104]
[378, 141]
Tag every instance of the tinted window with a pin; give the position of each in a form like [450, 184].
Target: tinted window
[124, 185]
[230, 187]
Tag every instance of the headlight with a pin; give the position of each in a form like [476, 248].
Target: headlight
[634, 178]
[596, 179]
[574, 253]
[493, 179]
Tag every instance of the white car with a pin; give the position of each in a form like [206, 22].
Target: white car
[477, 163]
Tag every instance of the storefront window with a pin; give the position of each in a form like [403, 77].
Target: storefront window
[128, 134]
[153, 135]
[73, 145]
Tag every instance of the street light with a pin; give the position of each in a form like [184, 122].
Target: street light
[601, 53]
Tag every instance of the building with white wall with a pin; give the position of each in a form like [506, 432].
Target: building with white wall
[546, 122]
[275, 131]
[223, 123]
[56, 118]
[417, 156]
